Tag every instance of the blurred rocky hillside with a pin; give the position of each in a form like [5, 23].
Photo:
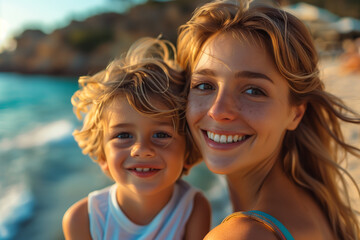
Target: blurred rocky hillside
[86, 47]
[343, 8]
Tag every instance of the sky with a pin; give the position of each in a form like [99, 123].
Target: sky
[47, 15]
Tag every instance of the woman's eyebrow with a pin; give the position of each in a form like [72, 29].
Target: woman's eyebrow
[240, 74]
[250, 74]
[205, 72]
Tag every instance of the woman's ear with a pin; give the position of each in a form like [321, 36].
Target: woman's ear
[297, 113]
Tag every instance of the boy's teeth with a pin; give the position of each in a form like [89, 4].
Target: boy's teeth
[142, 169]
[225, 138]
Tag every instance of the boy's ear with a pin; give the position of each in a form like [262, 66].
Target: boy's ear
[104, 166]
[298, 113]
[186, 168]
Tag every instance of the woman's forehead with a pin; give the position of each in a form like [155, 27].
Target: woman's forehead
[228, 49]
[222, 41]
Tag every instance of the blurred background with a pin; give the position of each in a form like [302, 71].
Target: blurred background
[45, 45]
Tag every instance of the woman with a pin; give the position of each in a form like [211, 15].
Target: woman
[259, 114]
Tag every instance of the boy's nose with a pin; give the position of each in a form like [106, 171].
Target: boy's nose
[143, 150]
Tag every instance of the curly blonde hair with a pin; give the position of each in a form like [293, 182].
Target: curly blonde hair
[310, 154]
[148, 71]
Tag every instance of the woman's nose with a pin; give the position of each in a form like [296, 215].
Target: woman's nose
[223, 108]
[142, 149]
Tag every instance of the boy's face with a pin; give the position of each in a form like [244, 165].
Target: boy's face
[142, 154]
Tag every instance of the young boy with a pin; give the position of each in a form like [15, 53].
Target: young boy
[135, 130]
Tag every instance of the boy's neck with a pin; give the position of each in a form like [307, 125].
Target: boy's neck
[141, 209]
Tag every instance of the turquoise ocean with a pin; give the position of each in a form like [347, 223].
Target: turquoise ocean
[42, 169]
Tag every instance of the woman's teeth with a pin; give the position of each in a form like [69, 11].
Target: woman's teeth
[221, 138]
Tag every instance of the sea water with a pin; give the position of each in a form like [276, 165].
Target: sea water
[42, 169]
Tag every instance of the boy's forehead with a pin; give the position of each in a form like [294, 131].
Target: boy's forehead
[120, 108]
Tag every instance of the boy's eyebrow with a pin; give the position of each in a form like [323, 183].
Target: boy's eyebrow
[118, 125]
[240, 74]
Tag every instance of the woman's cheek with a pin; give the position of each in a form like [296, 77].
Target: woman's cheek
[194, 110]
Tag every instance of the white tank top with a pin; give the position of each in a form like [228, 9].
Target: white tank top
[107, 221]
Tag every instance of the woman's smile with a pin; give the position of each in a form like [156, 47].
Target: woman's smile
[226, 138]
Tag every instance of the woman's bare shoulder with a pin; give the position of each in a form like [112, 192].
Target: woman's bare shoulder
[76, 221]
[241, 228]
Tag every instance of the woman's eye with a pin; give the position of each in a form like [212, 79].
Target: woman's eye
[161, 135]
[124, 135]
[204, 86]
[255, 91]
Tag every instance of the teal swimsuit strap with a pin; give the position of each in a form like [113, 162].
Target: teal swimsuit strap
[270, 220]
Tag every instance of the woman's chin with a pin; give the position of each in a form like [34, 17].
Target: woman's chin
[218, 165]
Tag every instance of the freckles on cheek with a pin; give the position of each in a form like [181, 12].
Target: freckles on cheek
[198, 103]
[195, 109]
[254, 111]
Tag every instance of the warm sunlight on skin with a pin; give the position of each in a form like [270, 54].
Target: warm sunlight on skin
[131, 141]
[238, 107]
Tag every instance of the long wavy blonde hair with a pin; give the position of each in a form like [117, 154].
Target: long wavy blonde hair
[148, 71]
[311, 155]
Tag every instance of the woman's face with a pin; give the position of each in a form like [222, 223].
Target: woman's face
[238, 108]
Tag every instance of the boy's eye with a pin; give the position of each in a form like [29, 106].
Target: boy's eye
[161, 135]
[124, 135]
[204, 86]
[255, 91]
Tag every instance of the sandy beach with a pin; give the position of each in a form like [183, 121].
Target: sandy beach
[346, 85]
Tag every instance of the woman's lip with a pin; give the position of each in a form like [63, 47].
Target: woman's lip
[222, 132]
[221, 146]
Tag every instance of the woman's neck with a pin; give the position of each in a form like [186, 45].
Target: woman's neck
[247, 191]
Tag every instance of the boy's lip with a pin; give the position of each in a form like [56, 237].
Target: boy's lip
[143, 165]
[144, 170]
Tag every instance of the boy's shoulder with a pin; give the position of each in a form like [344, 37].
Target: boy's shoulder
[76, 221]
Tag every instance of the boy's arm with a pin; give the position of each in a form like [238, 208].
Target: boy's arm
[76, 221]
[199, 222]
